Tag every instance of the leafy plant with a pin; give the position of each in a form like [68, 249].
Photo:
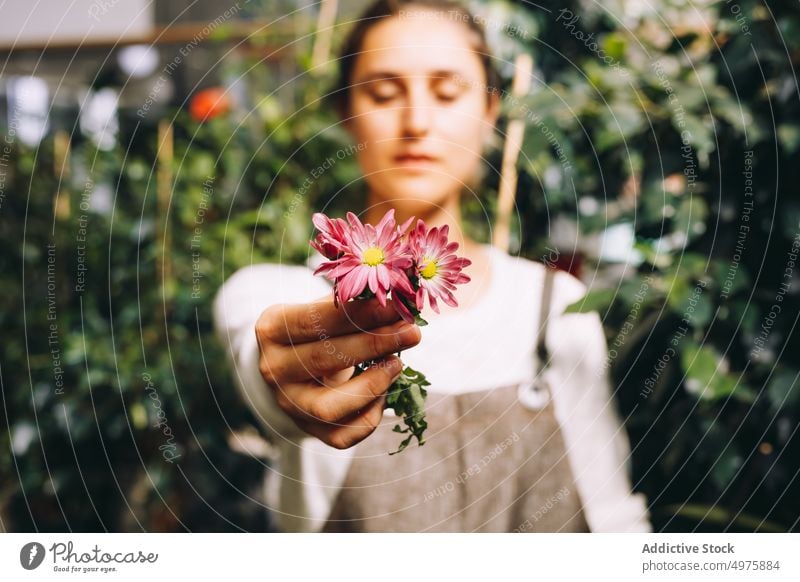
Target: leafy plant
[111, 369]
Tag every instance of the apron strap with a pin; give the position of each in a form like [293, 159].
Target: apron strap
[544, 317]
[536, 395]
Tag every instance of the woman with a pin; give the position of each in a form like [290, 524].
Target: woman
[503, 452]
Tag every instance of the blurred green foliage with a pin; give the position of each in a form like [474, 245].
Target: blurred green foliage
[692, 139]
[657, 130]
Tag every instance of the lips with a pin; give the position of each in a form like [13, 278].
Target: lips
[415, 159]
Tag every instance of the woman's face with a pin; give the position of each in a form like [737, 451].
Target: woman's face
[419, 107]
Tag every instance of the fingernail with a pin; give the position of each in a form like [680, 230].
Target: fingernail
[396, 368]
[399, 326]
[407, 332]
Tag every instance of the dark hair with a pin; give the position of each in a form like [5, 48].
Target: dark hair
[381, 9]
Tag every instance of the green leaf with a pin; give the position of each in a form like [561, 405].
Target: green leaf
[691, 303]
[690, 217]
[653, 257]
[597, 300]
[782, 389]
[725, 467]
[406, 397]
[615, 45]
[789, 136]
[706, 376]
[700, 365]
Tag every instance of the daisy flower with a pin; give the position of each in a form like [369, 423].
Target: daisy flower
[436, 267]
[372, 257]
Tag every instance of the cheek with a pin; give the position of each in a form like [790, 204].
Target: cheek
[371, 123]
[465, 133]
[375, 130]
[471, 124]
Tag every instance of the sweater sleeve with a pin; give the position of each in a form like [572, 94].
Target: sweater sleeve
[304, 478]
[595, 437]
[237, 307]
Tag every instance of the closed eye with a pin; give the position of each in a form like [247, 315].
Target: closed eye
[447, 90]
[378, 98]
[383, 91]
[447, 97]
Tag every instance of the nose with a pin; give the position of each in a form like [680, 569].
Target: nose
[416, 116]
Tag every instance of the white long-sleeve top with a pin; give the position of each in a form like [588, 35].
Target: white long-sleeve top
[490, 343]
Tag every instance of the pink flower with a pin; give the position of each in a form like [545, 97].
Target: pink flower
[373, 257]
[437, 268]
[366, 261]
[331, 241]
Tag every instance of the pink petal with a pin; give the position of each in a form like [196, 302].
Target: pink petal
[381, 299]
[404, 227]
[448, 298]
[353, 283]
[430, 239]
[403, 311]
[400, 282]
[420, 298]
[383, 276]
[373, 279]
[320, 221]
[356, 227]
[387, 219]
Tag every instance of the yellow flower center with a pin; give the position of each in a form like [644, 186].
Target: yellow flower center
[429, 271]
[373, 256]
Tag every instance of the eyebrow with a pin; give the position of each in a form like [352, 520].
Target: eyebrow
[393, 76]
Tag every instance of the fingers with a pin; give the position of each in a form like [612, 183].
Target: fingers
[293, 324]
[309, 402]
[321, 358]
[351, 430]
[336, 378]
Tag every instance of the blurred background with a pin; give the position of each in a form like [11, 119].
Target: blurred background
[148, 149]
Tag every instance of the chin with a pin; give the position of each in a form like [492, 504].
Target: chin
[422, 190]
[418, 201]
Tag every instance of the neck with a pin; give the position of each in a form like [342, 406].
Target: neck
[431, 215]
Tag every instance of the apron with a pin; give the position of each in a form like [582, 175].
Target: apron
[489, 464]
